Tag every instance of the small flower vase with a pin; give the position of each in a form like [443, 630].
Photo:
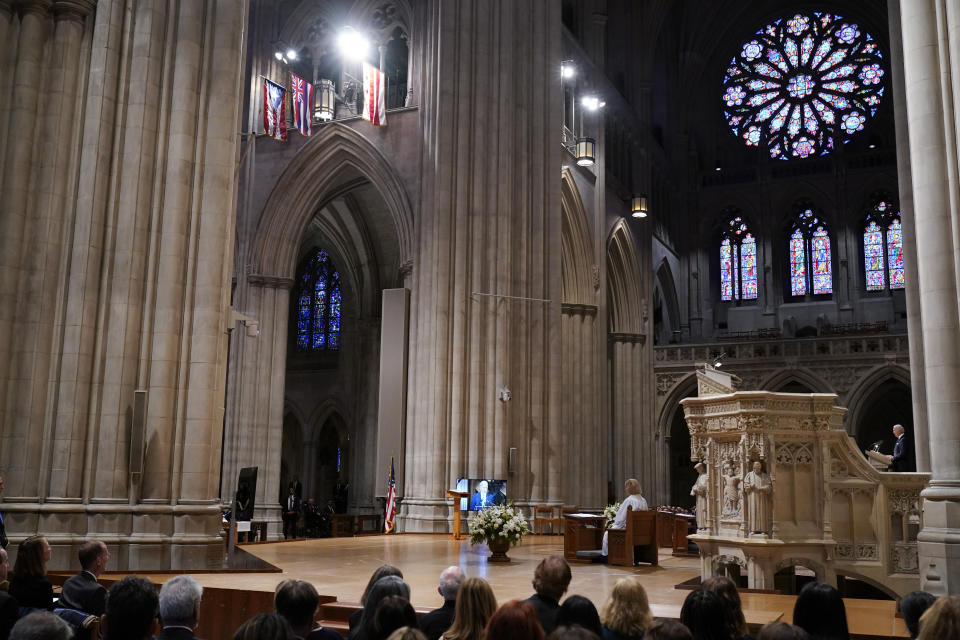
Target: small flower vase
[498, 547]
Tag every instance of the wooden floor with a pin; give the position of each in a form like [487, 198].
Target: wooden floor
[340, 567]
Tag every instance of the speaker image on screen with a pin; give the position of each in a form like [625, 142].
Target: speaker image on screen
[246, 493]
[483, 493]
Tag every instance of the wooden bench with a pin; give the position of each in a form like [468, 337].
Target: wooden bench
[637, 542]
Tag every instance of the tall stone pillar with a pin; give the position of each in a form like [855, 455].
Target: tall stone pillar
[8, 40]
[931, 33]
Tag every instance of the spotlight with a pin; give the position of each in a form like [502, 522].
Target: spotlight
[278, 55]
[291, 54]
[567, 70]
[590, 102]
[352, 44]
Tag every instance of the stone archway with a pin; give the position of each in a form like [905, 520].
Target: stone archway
[880, 399]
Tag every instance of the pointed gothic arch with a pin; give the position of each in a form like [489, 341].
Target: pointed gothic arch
[668, 290]
[628, 308]
[576, 245]
[778, 380]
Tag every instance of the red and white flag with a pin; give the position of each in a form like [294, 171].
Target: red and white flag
[374, 95]
[391, 514]
[274, 110]
[301, 97]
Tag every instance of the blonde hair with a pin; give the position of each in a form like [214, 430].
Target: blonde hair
[941, 620]
[475, 605]
[627, 611]
[632, 486]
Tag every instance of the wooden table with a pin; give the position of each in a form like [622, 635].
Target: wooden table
[456, 495]
[582, 532]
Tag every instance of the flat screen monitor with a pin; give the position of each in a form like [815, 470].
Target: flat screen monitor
[484, 492]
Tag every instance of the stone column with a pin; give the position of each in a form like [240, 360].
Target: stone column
[931, 31]
[8, 31]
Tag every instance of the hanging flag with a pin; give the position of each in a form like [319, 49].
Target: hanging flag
[274, 110]
[301, 97]
[374, 95]
[388, 520]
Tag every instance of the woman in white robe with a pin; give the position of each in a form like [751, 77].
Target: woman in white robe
[634, 501]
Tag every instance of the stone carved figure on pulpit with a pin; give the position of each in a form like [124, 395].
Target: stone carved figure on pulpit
[758, 491]
[700, 491]
[731, 490]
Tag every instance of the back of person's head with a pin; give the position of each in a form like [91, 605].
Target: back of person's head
[132, 607]
[41, 625]
[297, 601]
[515, 620]
[820, 612]
[577, 610]
[663, 629]
[552, 577]
[726, 589]
[632, 487]
[383, 588]
[450, 580]
[627, 612]
[705, 614]
[392, 613]
[180, 601]
[912, 606]
[31, 558]
[782, 631]
[475, 605]
[382, 571]
[90, 552]
[573, 632]
[265, 626]
[941, 620]
[407, 633]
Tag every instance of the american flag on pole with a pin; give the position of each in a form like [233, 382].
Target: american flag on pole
[388, 520]
[374, 95]
[301, 96]
[274, 110]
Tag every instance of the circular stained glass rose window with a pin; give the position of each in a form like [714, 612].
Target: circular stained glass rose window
[803, 83]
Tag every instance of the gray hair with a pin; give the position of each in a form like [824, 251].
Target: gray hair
[41, 625]
[179, 598]
[450, 580]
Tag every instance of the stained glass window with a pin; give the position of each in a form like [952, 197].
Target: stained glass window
[317, 296]
[802, 83]
[810, 264]
[738, 262]
[883, 248]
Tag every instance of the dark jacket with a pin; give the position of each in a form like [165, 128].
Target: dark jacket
[9, 608]
[3, 533]
[433, 624]
[176, 633]
[33, 591]
[84, 593]
[546, 610]
[902, 458]
[323, 634]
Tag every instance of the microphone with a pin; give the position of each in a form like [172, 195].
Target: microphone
[876, 445]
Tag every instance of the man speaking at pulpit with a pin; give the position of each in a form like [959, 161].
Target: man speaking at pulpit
[902, 459]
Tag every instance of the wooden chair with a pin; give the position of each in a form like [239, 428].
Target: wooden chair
[543, 514]
[637, 542]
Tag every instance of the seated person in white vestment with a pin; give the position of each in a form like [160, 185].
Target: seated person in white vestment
[634, 501]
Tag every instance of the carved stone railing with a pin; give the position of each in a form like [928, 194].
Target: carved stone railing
[823, 506]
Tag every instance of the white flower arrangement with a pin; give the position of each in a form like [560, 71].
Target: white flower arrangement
[498, 521]
[610, 513]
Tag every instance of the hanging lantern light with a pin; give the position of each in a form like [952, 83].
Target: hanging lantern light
[638, 206]
[586, 152]
[325, 102]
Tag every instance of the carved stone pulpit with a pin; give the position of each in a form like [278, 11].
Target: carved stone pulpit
[786, 486]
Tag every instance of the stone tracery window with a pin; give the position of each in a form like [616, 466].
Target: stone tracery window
[883, 248]
[317, 308]
[809, 250]
[738, 261]
[803, 83]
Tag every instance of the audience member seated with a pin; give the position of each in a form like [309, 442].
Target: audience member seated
[179, 608]
[633, 502]
[579, 611]
[912, 606]
[297, 601]
[572, 632]
[820, 612]
[41, 625]
[705, 614]
[515, 620]
[382, 571]
[942, 620]
[132, 608]
[265, 626]
[82, 591]
[627, 613]
[407, 633]
[393, 612]
[29, 584]
[550, 581]
[9, 608]
[475, 606]
[382, 588]
[667, 630]
[782, 631]
[433, 624]
[726, 589]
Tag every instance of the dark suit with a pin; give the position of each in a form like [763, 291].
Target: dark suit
[290, 519]
[902, 458]
[84, 593]
[33, 591]
[547, 611]
[3, 533]
[478, 502]
[435, 623]
[176, 633]
[9, 608]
